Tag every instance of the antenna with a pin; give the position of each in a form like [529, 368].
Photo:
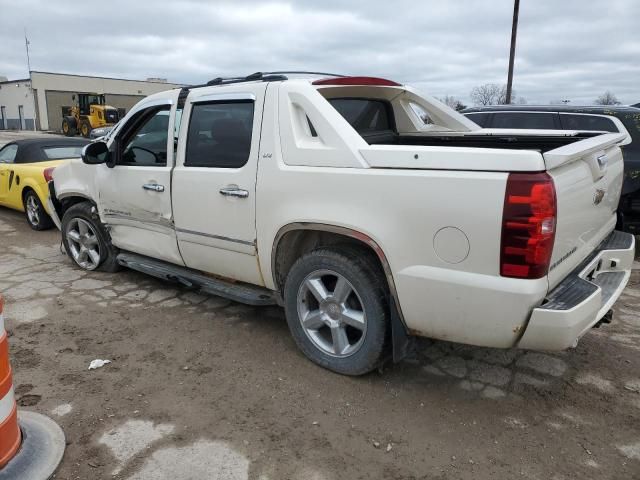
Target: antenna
[26, 45]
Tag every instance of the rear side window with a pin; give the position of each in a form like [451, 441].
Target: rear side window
[365, 115]
[587, 122]
[481, 118]
[533, 120]
[8, 153]
[220, 134]
[56, 153]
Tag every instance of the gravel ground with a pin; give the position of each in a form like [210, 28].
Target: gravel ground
[200, 387]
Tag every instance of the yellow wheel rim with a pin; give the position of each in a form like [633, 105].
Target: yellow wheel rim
[85, 129]
[65, 127]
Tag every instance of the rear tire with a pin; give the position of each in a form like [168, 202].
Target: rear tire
[68, 127]
[85, 128]
[336, 304]
[87, 241]
[37, 217]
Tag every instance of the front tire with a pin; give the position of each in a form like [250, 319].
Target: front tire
[86, 240]
[336, 304]
[85, 128]
[37, 217]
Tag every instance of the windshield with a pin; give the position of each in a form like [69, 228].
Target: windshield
[95, 99]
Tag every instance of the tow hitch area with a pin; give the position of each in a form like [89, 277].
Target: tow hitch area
[608, 317]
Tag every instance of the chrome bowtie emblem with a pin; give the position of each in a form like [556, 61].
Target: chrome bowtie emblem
[599, 195]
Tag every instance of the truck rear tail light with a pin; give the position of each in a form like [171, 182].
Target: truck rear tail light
[380, 82]
[48, 173]
[528, 225]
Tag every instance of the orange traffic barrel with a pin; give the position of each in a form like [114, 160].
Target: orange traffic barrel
[31, 445]
[9, 431]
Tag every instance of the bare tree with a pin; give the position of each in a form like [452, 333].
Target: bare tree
[487, 94]
[493, 94]
[453, 102]
[607, 98]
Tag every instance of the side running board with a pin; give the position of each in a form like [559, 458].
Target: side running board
[236, 291]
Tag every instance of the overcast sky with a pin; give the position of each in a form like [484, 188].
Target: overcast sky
[567, 49]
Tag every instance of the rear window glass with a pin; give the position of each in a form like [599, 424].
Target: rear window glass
[587, 122]
[365, 115]
[481, 118]
[56, 153]
[531, 120]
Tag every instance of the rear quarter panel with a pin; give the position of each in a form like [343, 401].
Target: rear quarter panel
[403, 211]
[29, 176]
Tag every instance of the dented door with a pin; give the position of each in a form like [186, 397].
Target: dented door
[135, 195]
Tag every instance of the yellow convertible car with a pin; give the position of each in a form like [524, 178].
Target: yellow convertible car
[25, 169]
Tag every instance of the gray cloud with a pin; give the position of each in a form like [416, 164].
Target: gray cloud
[566, 49]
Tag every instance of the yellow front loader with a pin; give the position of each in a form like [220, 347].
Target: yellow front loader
[90, 112]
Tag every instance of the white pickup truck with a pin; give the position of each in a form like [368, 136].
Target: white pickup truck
[372, 213]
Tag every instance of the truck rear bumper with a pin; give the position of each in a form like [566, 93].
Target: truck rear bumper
[583, 298]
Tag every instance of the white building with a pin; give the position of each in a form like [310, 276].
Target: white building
[17, 107]
[39, 102]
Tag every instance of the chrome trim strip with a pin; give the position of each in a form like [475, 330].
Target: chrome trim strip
[341, 231]
[217, 237]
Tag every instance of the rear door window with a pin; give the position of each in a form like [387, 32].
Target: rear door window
[220, 134]
[529, 120]
[587, 122]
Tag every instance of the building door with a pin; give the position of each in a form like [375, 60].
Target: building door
[23, 125]
[3, 118]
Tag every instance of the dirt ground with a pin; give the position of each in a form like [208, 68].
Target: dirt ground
[203, 388]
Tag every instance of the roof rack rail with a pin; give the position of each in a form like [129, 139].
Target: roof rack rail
[302, 72]
[264, 76]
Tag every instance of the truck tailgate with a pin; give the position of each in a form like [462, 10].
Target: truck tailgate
[588, 180]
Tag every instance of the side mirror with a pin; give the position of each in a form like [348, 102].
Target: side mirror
[73, 97]
[95, 153]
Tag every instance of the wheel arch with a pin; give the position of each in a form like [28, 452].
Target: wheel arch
[296, 239]
[29, 186]
[65, 202]
[26, 189]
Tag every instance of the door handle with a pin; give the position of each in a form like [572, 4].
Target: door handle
[154, 187]
[234, 192]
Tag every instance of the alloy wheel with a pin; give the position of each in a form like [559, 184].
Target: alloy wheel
[83, 242]
[331, 313]
[33, 210]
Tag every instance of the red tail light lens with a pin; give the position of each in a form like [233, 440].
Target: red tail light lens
[48, 173]
[528, 225]
[380, 82]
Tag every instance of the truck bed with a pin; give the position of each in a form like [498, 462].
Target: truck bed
[540, 143]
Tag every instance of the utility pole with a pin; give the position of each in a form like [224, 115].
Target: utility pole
[26, 45]
[512, 53]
